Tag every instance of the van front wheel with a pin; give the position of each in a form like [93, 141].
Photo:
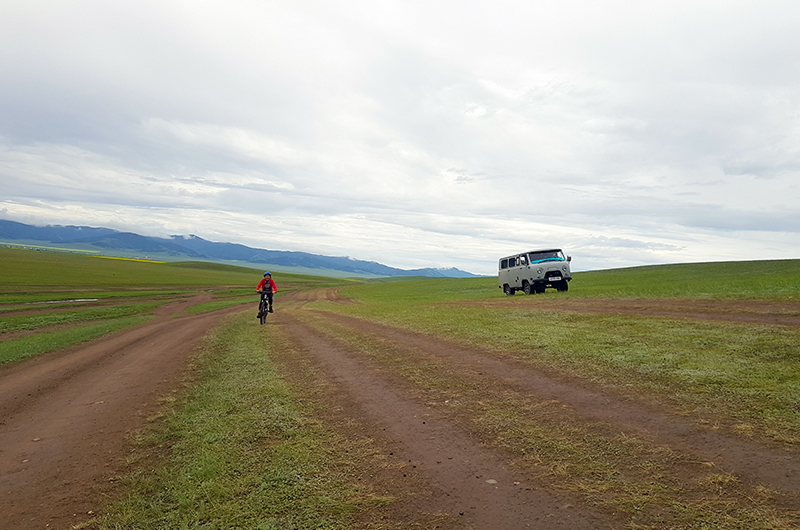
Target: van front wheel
[526, 287]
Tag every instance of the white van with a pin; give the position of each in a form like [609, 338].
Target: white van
[534, 271]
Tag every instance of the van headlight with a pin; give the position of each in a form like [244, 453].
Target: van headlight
[540, 270]
[564, 268]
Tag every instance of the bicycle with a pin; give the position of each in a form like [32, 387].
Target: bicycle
[263, 307]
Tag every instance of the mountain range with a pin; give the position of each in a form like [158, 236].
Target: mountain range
[192, 247]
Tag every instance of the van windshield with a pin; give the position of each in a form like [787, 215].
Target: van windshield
[539, 257]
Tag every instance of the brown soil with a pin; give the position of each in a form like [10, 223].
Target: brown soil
[64, 418]
[463, 480]
[771, 464]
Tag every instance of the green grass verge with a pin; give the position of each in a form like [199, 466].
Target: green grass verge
[53, 299]
[23, 347]
[222, 304]
[234, 292]
[41, 320]
[239, 451]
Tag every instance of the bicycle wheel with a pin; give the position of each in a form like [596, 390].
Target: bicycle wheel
[262, 311]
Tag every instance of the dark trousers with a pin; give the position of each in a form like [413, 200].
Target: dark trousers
[268, 296]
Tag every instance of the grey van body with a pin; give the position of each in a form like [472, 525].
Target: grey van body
[534, 271]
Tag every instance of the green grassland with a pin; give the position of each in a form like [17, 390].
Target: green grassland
[743, 373]
[245, 447]
[742, 379]
[39, 270]
[771, 280]
[747, 280]
[42, 292]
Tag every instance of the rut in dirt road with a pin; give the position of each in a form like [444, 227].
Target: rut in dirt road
[761, 463]
[651, 449]
[64, 417]
[473, 484]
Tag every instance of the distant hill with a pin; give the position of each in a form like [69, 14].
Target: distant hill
[192, 247]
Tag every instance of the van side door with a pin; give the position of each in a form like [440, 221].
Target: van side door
[518, 272]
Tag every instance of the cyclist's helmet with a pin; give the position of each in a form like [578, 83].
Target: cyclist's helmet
[267, 273]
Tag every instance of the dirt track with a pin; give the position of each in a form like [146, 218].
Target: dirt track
[458, 466]
[64, 418]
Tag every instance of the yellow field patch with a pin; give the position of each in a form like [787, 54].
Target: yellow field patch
[130, 259]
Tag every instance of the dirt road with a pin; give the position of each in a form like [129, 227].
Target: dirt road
[64, 418]
[489, 488]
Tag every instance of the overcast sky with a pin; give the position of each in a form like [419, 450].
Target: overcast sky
[412, 133]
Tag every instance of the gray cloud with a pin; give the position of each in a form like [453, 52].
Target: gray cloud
[415, 134]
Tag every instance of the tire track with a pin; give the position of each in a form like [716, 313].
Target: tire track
[64, 417]
[769, 464]
[474, 483]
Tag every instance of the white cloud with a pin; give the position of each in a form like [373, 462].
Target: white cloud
[234, 141]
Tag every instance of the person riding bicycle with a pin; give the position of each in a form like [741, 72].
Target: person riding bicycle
[267, 288]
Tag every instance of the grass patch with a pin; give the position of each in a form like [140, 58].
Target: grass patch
[33, 273]
[54, 299]
[771, 280]
[41, 320]
[50, 270]
[23, 347]
[239, 451]
[221, 304]
[744, 374]
[234, 292]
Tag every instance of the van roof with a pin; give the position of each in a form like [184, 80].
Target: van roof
[532, 252]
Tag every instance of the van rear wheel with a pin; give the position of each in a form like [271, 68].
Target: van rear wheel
[508, 290]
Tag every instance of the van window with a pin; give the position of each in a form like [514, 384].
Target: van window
[504, 264]
[553, 255]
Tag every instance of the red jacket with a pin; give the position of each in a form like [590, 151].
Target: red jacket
[263, 283]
